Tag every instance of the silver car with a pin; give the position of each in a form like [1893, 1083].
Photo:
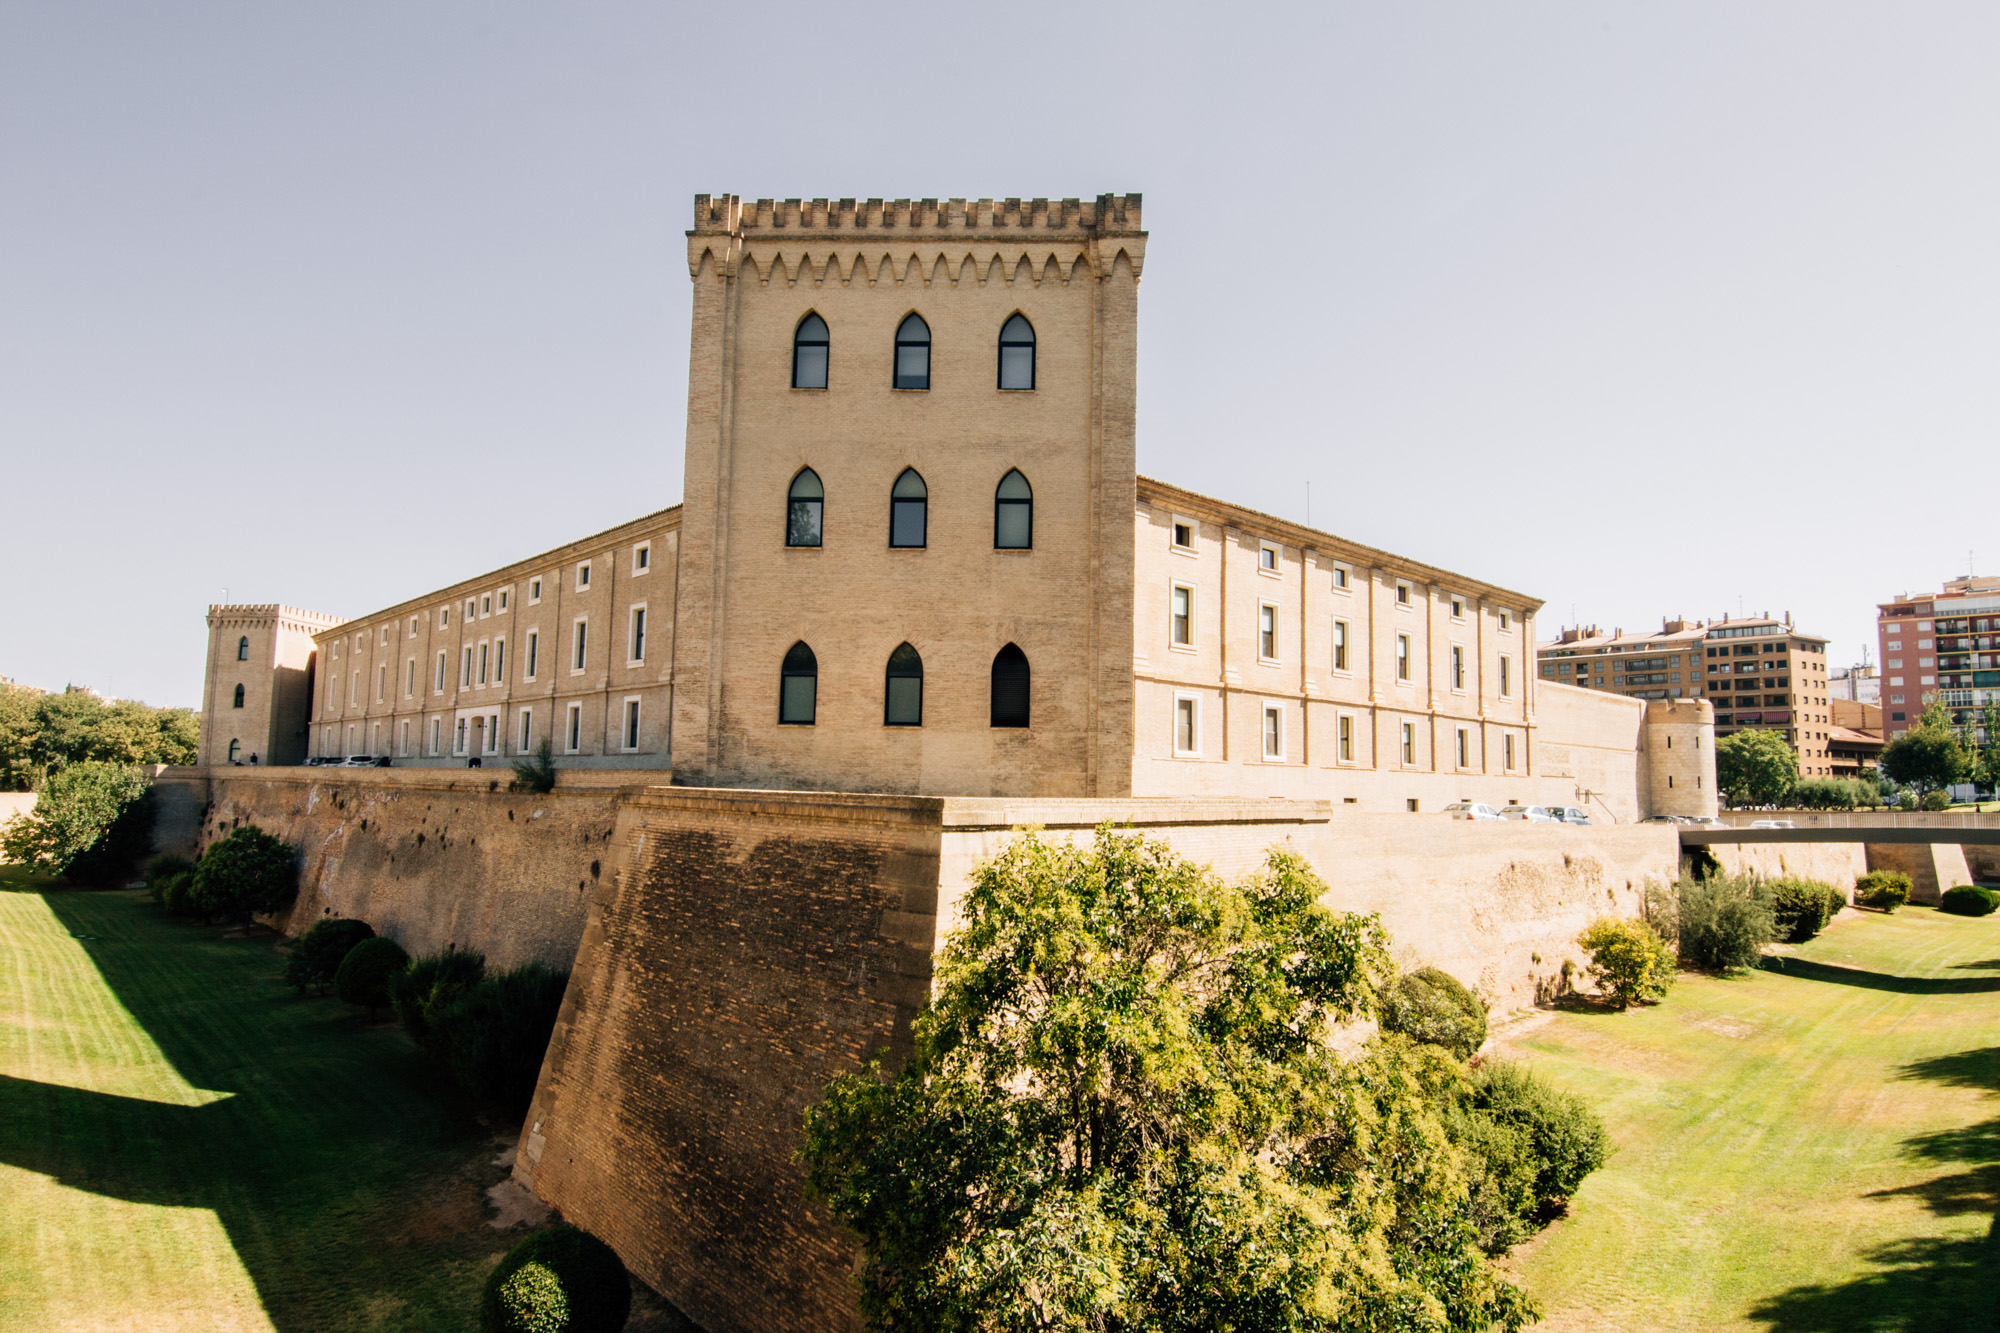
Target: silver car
[1529, 814]
[1471, 810]
[1569, 814]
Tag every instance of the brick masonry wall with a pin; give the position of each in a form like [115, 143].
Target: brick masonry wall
[1835, 863]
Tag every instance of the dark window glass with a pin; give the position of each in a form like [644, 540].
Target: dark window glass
[909, 505]
[1010, 687]
[239, 697]
[913, 354]
[809, 354]
[805, 508]
[1014, 513]
[234, 748]
[798, 687]
[243, 649]
[903, 695]
[1017, 354]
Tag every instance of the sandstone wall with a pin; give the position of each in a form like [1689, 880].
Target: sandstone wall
[1835, 863]
[15, 803]
[1932, 867]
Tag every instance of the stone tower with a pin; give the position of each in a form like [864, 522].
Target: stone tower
[1677, 757]
[260, 683]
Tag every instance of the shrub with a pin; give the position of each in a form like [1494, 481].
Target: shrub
[1802, 907]
[1934, 800]
[168, 878]
[427, 986]
[1886, 889]
[1906, 800]
[90, 824]
[247, 872]
[536, 772]
[1434, 1007]
[1628, 959]
[1966, 900]
[1500, 1174]
[561, 1280]
[177, 894]
[1824, 794]
[364, 975]
[492, 1035]
[320, 951]
[1564, 1135]
[1725, 921]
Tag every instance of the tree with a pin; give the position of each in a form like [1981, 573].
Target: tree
[17, 729]
[1929, 756]
[1124, 1111]
[89, 824]
[1755, 767]
[245, 873]
[41, 734]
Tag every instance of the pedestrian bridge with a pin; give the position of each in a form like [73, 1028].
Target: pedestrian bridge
[1936, 851]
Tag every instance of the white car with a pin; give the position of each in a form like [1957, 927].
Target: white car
[1569, 814]
[1529, 814]
[1706, 821]
[358, 761]
[1471, 810]
[1772, 823]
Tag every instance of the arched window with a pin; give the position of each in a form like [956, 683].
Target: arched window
[243, 649]
[798, 687]
[1017, 354]
[809, 355]
[804, 509]
[1010, 687]
[239, 698]
[903, 692]
[235, 747]
[909, 508]
[913, 353]
[1013, 513]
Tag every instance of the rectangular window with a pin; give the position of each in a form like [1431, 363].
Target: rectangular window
[534, 647]
[503, 598]
[1184, 534]
[534, 591]
[583, 577]
[486, 605]
[1464, 748]
[1267, 558]
[382, 639]
[1267, 632]
[1187, 725]
[1507, 752]
[1506, 621]
[579, 654]
[465, 671]
[1409, 744]
[573, 729]
[1458, 608]
[1274, 732]
[440, 672]
[1345, 733]
[413, 627]
[1181, 617]
[354, 687]
[381, 682]
[1340, 576]
[1506, 677]
[1340, 645]
[485, 661]
[1402, 593]
[1457, 667]
[458, 738]
[491, 733]
[471, 608]
[403, 740]
[631, 733]
[499, 661]
[527, 729]
[636, 647]
[444, 617]
[1402, 657]
[434, 735]
[410, 678]
[642, 557]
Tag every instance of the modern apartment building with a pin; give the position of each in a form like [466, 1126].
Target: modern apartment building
[1946, 643]
[1760, 674]
[1862, 684]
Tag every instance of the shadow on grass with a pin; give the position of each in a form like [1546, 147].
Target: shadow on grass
[1983, 965]
[1806, 970]
[343, 1169]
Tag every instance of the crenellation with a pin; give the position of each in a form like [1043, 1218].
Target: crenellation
[1108, 214]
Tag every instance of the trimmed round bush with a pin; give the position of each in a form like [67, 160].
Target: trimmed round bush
[492, 1036]
[364, 975]
[1802, 907]
[1966, 900]
[320, 951]
[561, 1280]
[245, 873]
[162, 869]
[1434, 1007]
[430, 984]
[1886, 889]
[1628, 959]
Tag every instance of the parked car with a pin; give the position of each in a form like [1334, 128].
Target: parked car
[1569, 814]
[1772, 823]
[1704, 821]
[358, 761]
[1528, 814]
[1471, 810]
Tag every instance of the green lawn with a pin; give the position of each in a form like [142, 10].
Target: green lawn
[184, 1144]
[1797, 1151]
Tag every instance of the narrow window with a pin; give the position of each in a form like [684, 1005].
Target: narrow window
[1340, 576]
[486, 605]
[631, 724]
[1183, 536]
[239, 697]
[1267, 558]
[1409, 743]
[1457, 667]
[440, 672]
[1506, 677]
[1010, 687]
[534, 591]
[234, 747]
[903, 692]
[1187, 726]
[1181, 620]
[1458, 608]
[1507, 752]
[1274, 733]
[413, 627]
[1346, 737]
[582, 643]
[1340, 645]
[909, 508]
[458, 740]
[805, 509]
[573, 729]
[534, 651]
[1013, 513]
[913, 353]
[642, 559]
[1402, 593]
[1506, 621]
[410, 678]
[403, 739]
[638, 635]
[485, 652]
[1464, 748]
[465, 671]
[583, 577]
[1017, 354]
[527, 728]
[809, 354]
[434, 735]
[381, 682]
[798, 687]
[1267, 632]
[243, 649]
[499, 661]
[503, 599]
[1402, 657]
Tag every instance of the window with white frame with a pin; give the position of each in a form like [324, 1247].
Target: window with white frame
[635, 636]
[435, 727]
[1274, 731]
[573, 729]
[1457, 607]
[354, 687]
[527, 729]
[1507, 752]
[444, 617]
[490, 733]
[1267, 631]
[579, 645]
[336, 653]
[583, 577]
[534, 591]
[413, 627]
[1267, 558]
[1344, 738]
[381, 681]
[458, 737]
[534, 651]
[439, 688]
[1402, 657]
[465, 670]
[403, 739]
[629, 732]
[500, 661]
[1184, 530]
[642, 557]
[1342, 577]
[503, 598]
[375, 738]
[1506, 677]
[1180, 616]
[1187, 725]
[1458, 667]
[472, 608]
[1409, 744]
[1464, 748]
[1403, 589]
[485, 662]
[382, 638]
[1506, 622]
[410, 678]
[486, 605]
[1340, 645]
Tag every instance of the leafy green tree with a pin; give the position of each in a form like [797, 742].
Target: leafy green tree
[17, 731]
[366, 975]
[245, 873]
[1928, 757]
[89, 824]
[1755, 767]
[41, 734]
[1628, 959]
[1124, 1111]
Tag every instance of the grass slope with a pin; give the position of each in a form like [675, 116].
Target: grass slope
[1800, 1151]
[184, 1144]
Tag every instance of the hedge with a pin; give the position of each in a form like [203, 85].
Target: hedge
[1434, 1007]
[1968, 900]
[561, 1280]
[320, 951]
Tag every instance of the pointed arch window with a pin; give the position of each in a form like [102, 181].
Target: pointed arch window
[1017, 353]
[809, 354]
[913, 353]
[805, 509]
[243, 649]
[1013, 513]
[239, 698]
[1010, 687]
[798, 687]
[909, 510]
[903, 689]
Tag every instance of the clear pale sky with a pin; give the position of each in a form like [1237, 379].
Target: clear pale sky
[1641, 309]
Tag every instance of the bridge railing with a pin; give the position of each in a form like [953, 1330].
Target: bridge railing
[1866, 819]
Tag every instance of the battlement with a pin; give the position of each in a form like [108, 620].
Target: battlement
[1074, 219]
[219, 612]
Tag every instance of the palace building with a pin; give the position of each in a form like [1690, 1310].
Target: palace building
[916, 555]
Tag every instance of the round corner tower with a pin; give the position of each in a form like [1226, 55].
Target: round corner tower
[1678, 758]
